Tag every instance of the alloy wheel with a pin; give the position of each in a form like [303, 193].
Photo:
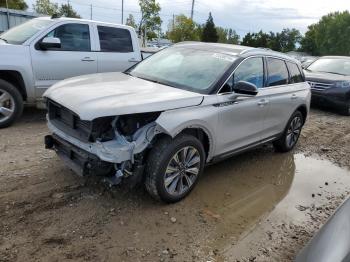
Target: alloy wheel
[7, 105]
[182, 171]
[293, 131]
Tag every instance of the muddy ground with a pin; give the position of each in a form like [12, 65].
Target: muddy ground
[260, 206]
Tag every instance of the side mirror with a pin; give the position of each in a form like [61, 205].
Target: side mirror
[245, 88]
[49, 43]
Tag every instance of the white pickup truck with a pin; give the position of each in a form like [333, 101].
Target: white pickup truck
[43, 51]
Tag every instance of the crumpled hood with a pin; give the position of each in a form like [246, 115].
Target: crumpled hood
[110, 94]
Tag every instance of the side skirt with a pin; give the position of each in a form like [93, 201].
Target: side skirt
[240, 150]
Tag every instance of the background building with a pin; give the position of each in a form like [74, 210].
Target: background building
[10, 18]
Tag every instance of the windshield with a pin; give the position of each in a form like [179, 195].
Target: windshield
[185, 68]
[339, 66]
[19, 34]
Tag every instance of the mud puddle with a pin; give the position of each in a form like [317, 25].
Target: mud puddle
[252, 198]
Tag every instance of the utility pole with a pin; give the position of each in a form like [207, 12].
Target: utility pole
[173, 21]
[8, 15]
[91, 12]
[192, 10]
[122, 12]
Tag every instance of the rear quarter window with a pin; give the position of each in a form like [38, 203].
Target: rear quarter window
[277, 72]
[114, 39]
[295, 73]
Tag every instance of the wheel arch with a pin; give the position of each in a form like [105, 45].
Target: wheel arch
[15, 78]
[197, 130]
[303, 110]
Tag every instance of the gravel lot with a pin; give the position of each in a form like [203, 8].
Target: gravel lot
[261, 206]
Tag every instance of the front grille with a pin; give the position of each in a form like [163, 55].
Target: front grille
[319, 85]
[69, 122]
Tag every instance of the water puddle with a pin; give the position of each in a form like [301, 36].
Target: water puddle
[238, 194]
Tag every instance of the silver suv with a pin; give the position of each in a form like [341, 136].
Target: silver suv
[165, 118]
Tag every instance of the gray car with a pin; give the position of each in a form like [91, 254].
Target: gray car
[167, 117]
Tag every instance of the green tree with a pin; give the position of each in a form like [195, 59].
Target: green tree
[150, 20]
[46, 7]
[68, 11]
[232, 37]
[288, 39]
[209, 33]
[330, 36]
[259, 39]
[183, 29]
[222, 34]
[130, 21]
[14, 4]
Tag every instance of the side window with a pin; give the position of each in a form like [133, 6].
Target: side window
[114, 39]
[74, 37]
[277, 71]
[251, 70]
[295, 75]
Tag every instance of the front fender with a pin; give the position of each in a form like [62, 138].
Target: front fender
[173, 122]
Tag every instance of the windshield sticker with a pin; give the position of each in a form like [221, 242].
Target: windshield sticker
[224, 57]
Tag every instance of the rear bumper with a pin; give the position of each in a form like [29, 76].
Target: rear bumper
[80, 161]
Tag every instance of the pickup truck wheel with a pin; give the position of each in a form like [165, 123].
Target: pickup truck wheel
[11, 104]
[173, 167]
[291, 133]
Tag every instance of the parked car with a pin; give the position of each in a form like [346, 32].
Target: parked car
[43, 51]
[184, 107]
[332, 242]
[329, 78]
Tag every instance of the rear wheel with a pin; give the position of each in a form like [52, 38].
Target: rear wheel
[11, 104]
[291, 134]
[173, 167]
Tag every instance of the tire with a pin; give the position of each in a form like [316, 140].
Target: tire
[291, 133]
[11, 102]
[161, 164]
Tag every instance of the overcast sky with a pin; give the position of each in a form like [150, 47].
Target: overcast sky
[242, 15]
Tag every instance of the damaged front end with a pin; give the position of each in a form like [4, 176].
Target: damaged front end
[112, 147]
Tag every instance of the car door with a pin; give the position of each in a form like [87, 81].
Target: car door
[118, 50]
[73, 58]
[241, 120]
[280, 94]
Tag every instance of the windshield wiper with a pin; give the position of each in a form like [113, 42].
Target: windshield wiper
[3, 39]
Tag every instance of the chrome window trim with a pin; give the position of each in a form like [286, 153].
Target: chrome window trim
[258, 56]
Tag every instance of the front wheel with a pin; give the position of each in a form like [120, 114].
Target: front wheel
[173, 167]
[11, 104]
[291, 133]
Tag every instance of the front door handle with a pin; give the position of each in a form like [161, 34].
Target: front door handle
[263, 102]
[87, 59]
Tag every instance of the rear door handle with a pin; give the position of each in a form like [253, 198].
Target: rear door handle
[87, 59]
[132, 60]
[263, 102]
[294, 96]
